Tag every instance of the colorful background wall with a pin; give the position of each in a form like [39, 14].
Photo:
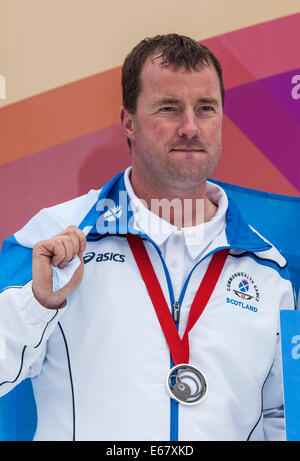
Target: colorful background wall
[60, 94]
[61, 61]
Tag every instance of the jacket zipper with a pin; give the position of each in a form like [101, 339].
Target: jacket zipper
[174, 405]
[176, 311]
[176, 305]
[175, 314]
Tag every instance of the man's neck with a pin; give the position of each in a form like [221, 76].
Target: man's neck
[181, 207]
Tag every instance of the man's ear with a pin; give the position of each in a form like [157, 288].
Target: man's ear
[127, 122]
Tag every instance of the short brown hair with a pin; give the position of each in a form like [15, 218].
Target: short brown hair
[176, 51]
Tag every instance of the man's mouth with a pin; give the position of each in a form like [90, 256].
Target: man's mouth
[187, 149]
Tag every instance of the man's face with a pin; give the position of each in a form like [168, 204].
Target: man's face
[176, 130]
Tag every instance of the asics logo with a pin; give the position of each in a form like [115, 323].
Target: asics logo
[101, 257]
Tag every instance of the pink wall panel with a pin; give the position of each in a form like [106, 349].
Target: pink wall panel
[59, 144]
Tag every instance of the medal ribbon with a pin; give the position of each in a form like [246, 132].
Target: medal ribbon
[179, 348]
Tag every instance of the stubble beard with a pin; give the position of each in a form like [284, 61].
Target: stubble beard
[184, 176]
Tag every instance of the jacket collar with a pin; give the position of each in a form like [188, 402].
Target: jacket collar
[112, 214]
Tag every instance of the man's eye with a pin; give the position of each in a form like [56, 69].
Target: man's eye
[168, 109]
[207, 108]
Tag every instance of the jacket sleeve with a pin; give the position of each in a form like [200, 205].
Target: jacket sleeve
[25, 325]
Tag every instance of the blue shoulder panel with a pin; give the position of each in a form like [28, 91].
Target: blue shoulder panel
[275, 216]
[238, 232]
[15, 264]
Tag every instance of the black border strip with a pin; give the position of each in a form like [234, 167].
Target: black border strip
[71, 379]
[46, 329]
[262, 404]
[19, 372]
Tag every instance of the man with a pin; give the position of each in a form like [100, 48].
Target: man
[141, 324]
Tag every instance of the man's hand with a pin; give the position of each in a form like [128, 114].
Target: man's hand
[57, 251]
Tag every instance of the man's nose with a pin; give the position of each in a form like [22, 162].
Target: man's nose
[189, 125]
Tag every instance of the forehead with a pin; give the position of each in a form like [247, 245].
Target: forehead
[157, 80]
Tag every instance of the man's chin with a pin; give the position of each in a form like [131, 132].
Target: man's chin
[185, 179]
[188, 175]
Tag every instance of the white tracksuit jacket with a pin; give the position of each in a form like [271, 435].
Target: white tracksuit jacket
[99, 365]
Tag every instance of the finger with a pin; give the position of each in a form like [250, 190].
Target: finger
[71, 246]
[81, 238]
[73, 240]
[58, 251]
[74, 231]
[80, 255]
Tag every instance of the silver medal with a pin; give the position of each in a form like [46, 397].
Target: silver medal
[186, 384]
